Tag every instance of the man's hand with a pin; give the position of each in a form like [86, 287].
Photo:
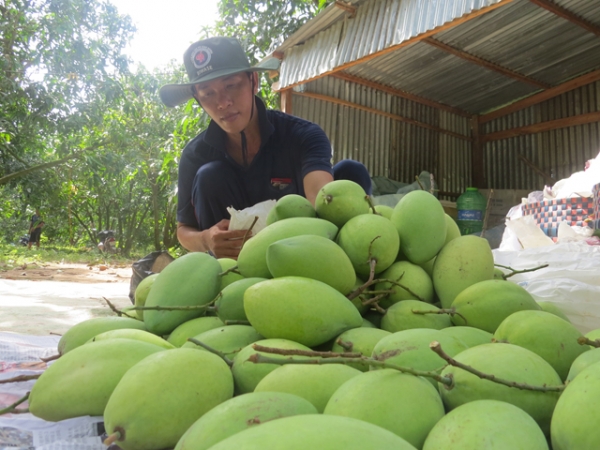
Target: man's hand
[218, 239]
[224, 243]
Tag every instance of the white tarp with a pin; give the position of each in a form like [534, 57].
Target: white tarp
[572, 280]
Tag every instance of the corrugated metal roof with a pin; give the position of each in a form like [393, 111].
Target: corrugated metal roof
[517, 35]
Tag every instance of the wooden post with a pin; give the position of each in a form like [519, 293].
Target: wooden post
[477, 167]
[286, 101]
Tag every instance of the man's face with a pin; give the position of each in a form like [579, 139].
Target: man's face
[228, 100]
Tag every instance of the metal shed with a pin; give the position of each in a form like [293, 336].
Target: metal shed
[501, 94]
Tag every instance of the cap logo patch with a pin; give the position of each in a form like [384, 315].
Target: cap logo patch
[201, 56]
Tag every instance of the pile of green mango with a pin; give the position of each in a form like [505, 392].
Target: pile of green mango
[341, 325]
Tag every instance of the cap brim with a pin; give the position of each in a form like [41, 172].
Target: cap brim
[176, 94]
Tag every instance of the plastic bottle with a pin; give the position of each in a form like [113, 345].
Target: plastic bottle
[471, 211]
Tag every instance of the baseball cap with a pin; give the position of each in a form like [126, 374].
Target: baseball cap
[208, 59]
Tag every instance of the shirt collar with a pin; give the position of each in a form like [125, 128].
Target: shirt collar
[216, 137]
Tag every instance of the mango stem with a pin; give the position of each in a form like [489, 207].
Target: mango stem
[20, 378]
[346, 345]
[257, 358]
[449, 311]
[298, 352]
[13, 408]
[111, 439]
[437, 348]
[219, 353]
[249, 230]
[514, 271]
[586, 341]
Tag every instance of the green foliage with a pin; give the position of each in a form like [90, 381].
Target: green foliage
[87, 141]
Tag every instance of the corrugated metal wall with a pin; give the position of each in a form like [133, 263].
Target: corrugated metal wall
[388, 147]
[558, 153]
[400, 150]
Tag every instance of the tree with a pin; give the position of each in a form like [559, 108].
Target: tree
[57, 56]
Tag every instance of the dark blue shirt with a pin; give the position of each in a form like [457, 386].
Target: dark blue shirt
[290, 149]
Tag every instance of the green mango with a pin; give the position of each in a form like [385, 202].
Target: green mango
[141, 293]
[366, 324]
[428, 266]
[193, 327]
[406, 405]
[400, 316]
[299, 309]
[366, 238]
[190, 280]
[313, 257]
[452, 230]
[498, 274]
[470, 336]
[291, 205]
[461, 263]
[240, 413]
[252, 260]
[130, 333]
[81, 381]
[341, 200]
[581, 362]
[384, 210]
[553, 309]
[486, 424]
[420, 220]
[546, 335]
[410, 348]
[248, 374]
[159, 398]
[508, 362]
[226, 280]
[486, 304]
[409, 275]
[575, 419]
[314, 431]
[229, 339]
[82, 332]
[593, 334]
[230, 301]
[315, 383]
[361, 340]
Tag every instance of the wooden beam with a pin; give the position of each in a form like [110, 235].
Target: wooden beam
[393, 48]
[483, 63]
[338, 101]
[477, 167]
[399, 93]
[568, 15]
[534, 99]
[286, 101]
[549, 125]
[346, 7]
[547, 178]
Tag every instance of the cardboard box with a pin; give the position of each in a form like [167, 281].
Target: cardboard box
[502, 201]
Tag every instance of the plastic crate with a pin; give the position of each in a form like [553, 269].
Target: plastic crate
[549, 213]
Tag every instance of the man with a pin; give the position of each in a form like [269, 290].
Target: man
[35, 229]
[247, 154]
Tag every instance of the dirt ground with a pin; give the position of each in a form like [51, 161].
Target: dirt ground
[49, 299]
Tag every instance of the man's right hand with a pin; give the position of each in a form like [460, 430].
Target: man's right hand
[219, 240]
[225, 243]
